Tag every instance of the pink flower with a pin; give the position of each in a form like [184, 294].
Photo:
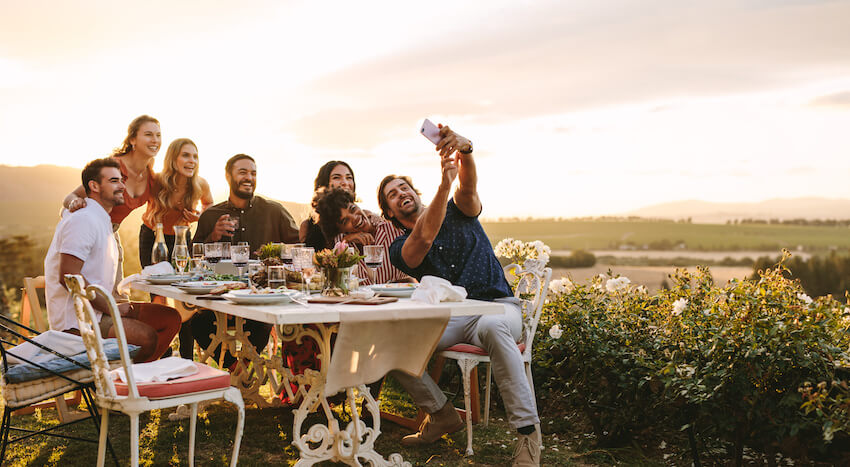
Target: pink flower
[340, 248]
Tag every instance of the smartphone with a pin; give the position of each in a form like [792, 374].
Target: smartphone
[430, 131]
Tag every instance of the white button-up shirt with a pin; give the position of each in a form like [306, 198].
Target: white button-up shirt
[86, 234]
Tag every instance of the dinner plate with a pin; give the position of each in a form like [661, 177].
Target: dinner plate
[165, 279]
[395, 290]
[245, 297]
[200, 287]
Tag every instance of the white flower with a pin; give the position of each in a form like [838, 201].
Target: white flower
[613, 285]
[555, 332]
[679, 306]
[805, 298]
[663, 445]
[641, 289]
[561, 286]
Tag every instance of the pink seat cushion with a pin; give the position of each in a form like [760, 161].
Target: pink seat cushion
[206, 379]
[469, 348]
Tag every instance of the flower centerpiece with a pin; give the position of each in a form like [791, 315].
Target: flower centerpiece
[336, 266]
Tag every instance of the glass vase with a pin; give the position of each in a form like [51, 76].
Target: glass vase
[337, 281]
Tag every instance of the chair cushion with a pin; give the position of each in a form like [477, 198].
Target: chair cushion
[206, 379]
[469, 348]
[28, 372]
[29, 392]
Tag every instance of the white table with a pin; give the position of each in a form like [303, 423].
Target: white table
[354, 443]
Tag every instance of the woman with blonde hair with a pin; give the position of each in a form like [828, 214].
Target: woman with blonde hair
[174, 196]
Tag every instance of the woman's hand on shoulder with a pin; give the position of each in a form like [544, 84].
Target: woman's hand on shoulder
[359, 238]
[374, 219]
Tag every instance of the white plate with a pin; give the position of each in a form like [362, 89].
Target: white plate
[165, 279]
[245, 297]
[395, 290]
[200, 287]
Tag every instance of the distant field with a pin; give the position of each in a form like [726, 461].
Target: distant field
[605, 235]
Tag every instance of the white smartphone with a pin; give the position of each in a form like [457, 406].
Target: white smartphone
[430, 131]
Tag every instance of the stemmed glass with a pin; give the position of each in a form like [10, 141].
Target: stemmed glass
[239, 255]
[181, 257]
[303, 260]
[198, 256]
[374, 256]
[212, 253]
[286, 252]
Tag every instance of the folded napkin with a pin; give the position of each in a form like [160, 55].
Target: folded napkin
[434, 289]
[62, 342]
[158, 370]
[160, 268]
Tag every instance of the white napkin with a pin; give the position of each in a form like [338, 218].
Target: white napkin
[160, 268]
[158, 370]
[62, 342]
[434, 289]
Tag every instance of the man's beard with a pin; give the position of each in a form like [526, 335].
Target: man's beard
[242, 194]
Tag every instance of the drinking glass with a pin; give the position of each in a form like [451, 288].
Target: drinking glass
[374, 256]
[277, 277]
[225, 250]
[198, 256]
[253, 268]
[303, 260]
[286, 252]
[239, 255]
[181, 257]
[212, 253]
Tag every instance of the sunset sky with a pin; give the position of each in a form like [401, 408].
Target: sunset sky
[582, 107]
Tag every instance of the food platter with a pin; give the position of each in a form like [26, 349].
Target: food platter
[165, 279]
[200, 287]
[264, 297]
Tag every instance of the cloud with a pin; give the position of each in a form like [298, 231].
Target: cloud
[836, 100]
[559, 58]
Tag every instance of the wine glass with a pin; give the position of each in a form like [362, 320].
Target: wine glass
[181, 257]
[286, 250]
[198, 256]
[374, 256]
[212, 253]
[303, 260]
[239, 255]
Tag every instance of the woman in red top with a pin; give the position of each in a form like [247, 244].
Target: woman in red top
[175, 193]
[136, 156]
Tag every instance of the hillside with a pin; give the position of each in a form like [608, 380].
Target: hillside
[708, 212]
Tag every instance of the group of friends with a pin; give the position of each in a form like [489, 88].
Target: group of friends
[443, 239]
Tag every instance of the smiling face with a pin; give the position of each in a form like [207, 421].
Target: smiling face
[147, 140]
[403, 202]
[186, 163]
[341, 177]
[352, 219]
[243, 178]
[109, 189]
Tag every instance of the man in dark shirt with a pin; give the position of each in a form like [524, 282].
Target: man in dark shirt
[446, 240]
[260, 221]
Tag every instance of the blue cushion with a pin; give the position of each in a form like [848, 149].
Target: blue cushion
[29, 372]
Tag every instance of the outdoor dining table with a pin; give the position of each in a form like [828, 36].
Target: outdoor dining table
[371, 340]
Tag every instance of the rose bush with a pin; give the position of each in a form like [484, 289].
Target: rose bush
[725, 362]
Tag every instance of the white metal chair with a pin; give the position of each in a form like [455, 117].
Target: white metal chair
[134, 398]
[531, 288]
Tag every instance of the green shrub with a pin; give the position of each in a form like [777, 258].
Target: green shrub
[723, 362]
[576, 259]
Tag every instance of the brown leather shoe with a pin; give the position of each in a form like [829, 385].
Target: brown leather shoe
[527, 452]
[435, 425]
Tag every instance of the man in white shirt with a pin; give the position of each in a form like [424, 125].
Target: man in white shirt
[84, 244]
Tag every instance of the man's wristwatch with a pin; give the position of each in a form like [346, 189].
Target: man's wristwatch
[468, 151]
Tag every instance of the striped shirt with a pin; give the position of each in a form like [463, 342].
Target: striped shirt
[385, 233]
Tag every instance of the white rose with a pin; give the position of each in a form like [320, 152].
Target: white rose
[679, 306]
[614, 285]
[641, 289]
[805, 298]
[561, 286]
[555, 332]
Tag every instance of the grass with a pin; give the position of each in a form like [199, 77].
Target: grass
[607, 234]
[268, 435]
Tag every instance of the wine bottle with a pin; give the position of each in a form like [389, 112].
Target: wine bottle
[159, 253]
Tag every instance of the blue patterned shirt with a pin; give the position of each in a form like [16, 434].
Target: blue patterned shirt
[461, 254]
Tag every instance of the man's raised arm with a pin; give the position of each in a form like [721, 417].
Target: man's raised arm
[466, 196]
[428, 225]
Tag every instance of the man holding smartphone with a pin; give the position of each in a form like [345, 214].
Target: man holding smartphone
[445, 239]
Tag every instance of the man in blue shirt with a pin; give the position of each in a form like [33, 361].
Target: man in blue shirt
[445, 239]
